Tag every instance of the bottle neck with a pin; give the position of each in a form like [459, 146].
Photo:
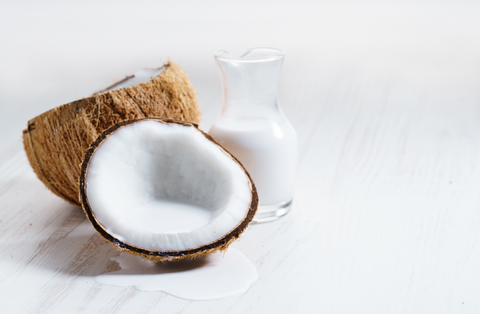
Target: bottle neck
[250, 84]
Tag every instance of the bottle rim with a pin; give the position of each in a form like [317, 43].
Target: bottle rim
[256, 54]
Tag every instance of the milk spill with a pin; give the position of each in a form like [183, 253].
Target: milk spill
[213, 277]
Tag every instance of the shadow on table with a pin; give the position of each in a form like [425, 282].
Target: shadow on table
[75, 248]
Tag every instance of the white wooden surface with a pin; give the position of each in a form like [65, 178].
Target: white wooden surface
[385, 99]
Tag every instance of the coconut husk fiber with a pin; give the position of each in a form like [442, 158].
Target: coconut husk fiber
[56, 141]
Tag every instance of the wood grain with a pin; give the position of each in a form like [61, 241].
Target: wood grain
[386, 105]
[385, 219]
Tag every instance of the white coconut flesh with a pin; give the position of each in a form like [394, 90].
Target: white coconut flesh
[141, 76]
[166, 187]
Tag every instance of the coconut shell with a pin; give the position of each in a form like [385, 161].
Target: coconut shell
[56, 141]
[164, 256]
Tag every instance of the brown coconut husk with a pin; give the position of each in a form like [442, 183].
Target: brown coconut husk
[56, 141]
[164, 256]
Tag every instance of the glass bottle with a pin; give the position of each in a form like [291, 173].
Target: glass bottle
[252, 126]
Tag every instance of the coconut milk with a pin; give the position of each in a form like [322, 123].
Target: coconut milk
[213, 277]
[254, 129]
[266, 146]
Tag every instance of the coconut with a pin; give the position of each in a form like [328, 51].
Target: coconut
[56, 141]
[165, 190]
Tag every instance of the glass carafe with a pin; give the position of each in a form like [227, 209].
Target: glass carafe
[252, 126]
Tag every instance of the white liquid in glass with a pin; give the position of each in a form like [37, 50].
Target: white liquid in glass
[254, 129]
[266, 148]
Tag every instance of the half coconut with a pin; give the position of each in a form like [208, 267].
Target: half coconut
[56, 141]
[165, 190]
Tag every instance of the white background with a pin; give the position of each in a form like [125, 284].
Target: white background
[385, 97]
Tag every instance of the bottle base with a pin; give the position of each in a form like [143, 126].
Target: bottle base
[269, 213]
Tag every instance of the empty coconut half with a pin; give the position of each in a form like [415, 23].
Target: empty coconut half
[56, 141]
[165, 190]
